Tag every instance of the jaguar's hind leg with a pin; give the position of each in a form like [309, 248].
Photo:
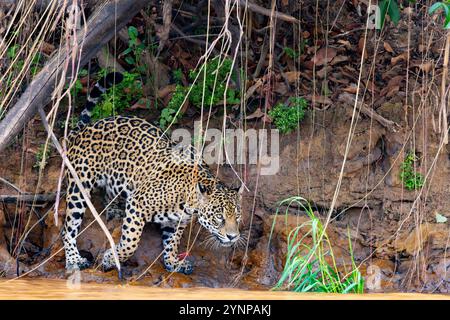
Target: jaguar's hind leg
[115, 208]
[76, 206]
[132, 227]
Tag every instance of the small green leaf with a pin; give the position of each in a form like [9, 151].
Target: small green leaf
[394, 11]
[127, 51]
[132, 32]
[440, 218]
[129, 60]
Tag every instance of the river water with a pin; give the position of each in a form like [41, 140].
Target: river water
[60, 289]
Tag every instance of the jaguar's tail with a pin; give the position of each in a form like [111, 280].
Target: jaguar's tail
[95, 95]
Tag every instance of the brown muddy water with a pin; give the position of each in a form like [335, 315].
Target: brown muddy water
[60, 289]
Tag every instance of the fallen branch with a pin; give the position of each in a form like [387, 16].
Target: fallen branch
[349, 100]
[100, 28]
[28, 197]
[267, 12]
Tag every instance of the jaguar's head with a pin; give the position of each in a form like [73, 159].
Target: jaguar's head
[219, 211]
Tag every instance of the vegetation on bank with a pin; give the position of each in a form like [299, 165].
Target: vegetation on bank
[310, 262]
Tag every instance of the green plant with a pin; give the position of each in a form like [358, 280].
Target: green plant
[134, 46]
[77, 86]
[411, 179]
[119, 97]
[291, 53]
[445, 6]
[177, 76]
[35, 64]
[294, 54]
[42, 156]
[310, 262]
[288, 116]
[170, 112]
[208, 89]
[391, 8]
[211, 81]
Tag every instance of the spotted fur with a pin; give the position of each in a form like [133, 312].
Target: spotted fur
[159, 183]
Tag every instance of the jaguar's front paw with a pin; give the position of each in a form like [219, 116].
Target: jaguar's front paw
[108, 263]
[77, 264]
[183, 266]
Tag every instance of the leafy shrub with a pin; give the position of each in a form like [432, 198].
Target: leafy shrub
[209, 87]
[411, 179]
[212, 78]
[311, 266]
[171, 111]
[119, 97]
[287, 117]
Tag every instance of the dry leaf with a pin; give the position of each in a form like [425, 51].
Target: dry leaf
[397, 59]
[339, 59]
[320, 99]
[257, 114]
[47, 48]
[324, 55]
[337, 78]
[163, 92]
[323, 72]
[361, 48]
[424, 66]
[388, 47]
[371, 87]
[353, 89]
[392, 91]
[292, 76]
[395, 81]
[346, 44]
[280, 88]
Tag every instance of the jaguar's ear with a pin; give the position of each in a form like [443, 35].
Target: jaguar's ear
[202, 194]
[240, 190]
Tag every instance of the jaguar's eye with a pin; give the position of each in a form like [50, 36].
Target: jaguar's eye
[220, 217]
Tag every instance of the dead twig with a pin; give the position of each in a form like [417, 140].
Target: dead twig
[10, 184]
[267, 12]
[349, 100]
[28, 197]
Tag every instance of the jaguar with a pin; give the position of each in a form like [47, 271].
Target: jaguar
[135, 162]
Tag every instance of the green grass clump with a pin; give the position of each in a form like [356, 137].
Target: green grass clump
[411, 179]
[308, 267]
[287, 117]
